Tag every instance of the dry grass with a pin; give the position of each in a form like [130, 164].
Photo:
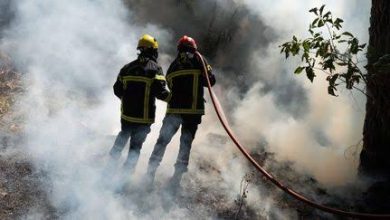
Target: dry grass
[21, 188]
[10, 89]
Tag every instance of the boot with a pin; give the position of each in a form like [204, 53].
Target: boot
[174, 183]
[131, 162]
[149, 178]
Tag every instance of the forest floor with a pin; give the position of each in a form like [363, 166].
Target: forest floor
[20, 186]
[23, 192]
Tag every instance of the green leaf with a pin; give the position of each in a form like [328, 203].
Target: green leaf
[295, 47]
[315, 22]
[328, 64]
[299, 69]
[314, 10]
[319, 38]
[306, 45]
[354, 48]
[310, 73]
[326, 17]
[347, 34]
[321, 23]
[323, 49]
[362, 46]
[341, 64]
[313, 63]
[305, 56]
[338, 21]
[332, 79]
[322, 9]
[356, 78]
[331, 90]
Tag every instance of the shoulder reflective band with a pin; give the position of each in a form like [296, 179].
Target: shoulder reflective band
[137, 79]
[160, 77]
[183, 72]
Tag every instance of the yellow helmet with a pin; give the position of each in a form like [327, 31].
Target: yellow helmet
[147, 41]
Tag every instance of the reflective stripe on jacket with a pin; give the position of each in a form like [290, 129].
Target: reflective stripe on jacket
[186, 82]
[137, 85]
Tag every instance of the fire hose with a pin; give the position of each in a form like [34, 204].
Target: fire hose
[219, 111]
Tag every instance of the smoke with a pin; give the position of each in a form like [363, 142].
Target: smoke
[328, 126]
[229, 35]
[72, 51]
[6, 14]
[71, 58]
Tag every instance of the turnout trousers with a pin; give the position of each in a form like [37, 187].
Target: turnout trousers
[171, 123]
[137, 134]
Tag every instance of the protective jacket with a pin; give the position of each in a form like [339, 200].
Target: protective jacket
[186, 81]
[137, 85]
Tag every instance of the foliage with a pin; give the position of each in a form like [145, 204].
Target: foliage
[322, 51]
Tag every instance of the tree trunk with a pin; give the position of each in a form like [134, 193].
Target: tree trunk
[375, 156]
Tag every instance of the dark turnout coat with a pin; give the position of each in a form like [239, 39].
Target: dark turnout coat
[137, 85]
[186, 81]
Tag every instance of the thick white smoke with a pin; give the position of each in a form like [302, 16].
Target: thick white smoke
[71, 52]
[316, 142]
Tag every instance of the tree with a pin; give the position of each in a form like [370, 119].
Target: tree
[375, 156]
[322, 52]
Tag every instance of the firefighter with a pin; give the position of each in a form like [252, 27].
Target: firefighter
[137, 86]
[185, 108]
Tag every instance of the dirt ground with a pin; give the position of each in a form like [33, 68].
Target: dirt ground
[21, 190]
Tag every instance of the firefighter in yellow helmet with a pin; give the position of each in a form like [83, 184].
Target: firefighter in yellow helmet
[138, 84]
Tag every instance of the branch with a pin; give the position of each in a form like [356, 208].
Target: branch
[357, 88]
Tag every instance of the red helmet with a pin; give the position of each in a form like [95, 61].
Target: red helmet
[186, 41]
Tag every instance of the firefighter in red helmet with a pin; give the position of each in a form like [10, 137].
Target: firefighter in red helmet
[185, 108]
[138, 84]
